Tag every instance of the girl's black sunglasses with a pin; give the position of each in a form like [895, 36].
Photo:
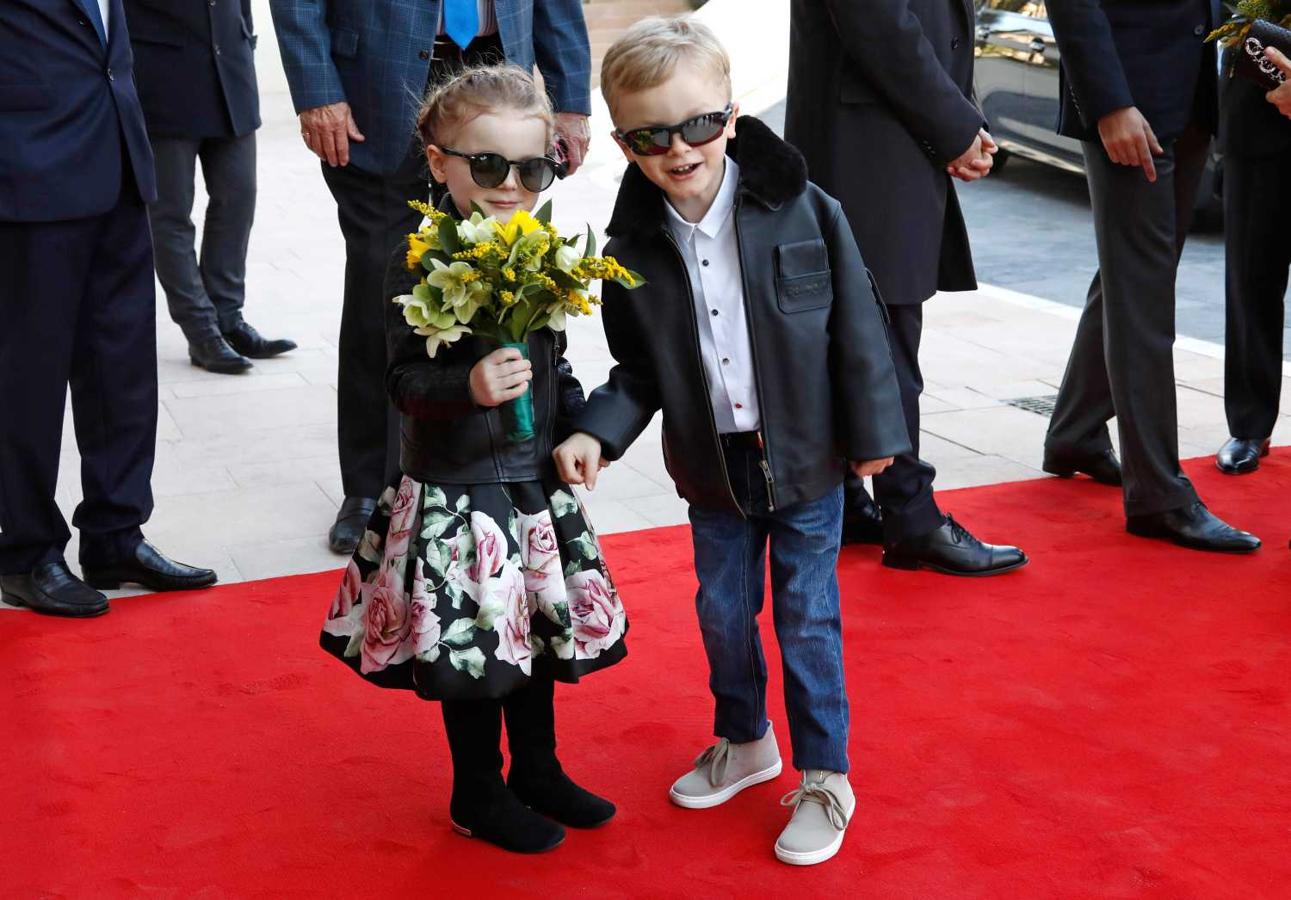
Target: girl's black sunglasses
[656, 140]
[489, 170]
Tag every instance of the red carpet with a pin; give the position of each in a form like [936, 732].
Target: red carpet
[1111, 721]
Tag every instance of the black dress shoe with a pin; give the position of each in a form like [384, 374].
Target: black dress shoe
[247, 341]
[53, 589]
[1103, 467]
[215, 355]
[148, 568]
[862, 519]
[1195, 527]
[1241, 455]
[952, 550]
[351, 522]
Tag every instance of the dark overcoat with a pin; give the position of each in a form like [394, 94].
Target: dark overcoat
[880, 100]
[195, 67]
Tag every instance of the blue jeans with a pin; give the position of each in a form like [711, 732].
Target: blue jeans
[730, 560]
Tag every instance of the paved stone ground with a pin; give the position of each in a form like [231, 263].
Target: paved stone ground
[247, 480]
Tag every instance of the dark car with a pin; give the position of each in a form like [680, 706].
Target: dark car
[1017, 86]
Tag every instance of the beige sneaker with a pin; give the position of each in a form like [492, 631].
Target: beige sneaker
[725, 769]
[822, 807]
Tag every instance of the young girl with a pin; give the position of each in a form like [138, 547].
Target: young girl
[479, 582]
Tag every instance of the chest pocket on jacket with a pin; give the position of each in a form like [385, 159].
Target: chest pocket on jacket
[803, 278]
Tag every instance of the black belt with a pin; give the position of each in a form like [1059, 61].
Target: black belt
[742, 440]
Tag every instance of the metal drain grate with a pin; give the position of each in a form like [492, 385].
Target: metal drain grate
[1041, 406]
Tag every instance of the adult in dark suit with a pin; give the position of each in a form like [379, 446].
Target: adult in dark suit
[357, 75]
[1256, 140]
[1145, 119]
[195, 68]
[880, 104]
[77, 303]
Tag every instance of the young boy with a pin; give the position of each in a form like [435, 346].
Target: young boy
[761, 339]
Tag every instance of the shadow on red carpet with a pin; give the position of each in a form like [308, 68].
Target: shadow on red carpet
[1111, 721]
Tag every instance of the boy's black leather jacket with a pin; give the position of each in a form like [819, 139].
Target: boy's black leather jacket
[444, 436]
[826, 384]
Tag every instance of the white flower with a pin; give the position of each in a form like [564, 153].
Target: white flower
[451, 280]
[567, 257]
[442, 336]
[477, 229]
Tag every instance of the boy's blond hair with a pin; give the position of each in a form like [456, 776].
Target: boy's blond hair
[648, 53]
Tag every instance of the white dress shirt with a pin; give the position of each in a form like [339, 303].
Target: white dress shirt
[105, 10]
[712, 257]
[488, 18]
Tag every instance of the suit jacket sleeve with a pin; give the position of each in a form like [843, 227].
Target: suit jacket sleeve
[419, 386]
[885, 40]
[870, 421]
[563, 53]
[619, 410]
[306, 45]
[1089, 58]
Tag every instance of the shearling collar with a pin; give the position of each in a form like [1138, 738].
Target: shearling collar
[771, 172]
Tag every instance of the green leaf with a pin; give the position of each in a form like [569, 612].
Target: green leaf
[469, 661]
[563, 504]
[430, 655]
[435, 497]
[355, 645]
[587, 546]
[460, 633]
[463, 503]
[591, 243]
[448, 238]
[488, 614]
[543, 214]
[567, 281]
[573, 569]
[435, 525]
[632, 283]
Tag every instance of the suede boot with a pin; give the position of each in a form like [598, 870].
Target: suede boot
[482, 805]
[536, 776]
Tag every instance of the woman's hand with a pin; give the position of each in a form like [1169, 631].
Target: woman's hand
[1281, 96]
[864, 467]
[501, 376]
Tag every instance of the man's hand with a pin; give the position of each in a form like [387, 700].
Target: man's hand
[1129, 141]
[578, 460]
[501, 376]
[976, 161]
[1281, 96]
[870, 466]
[328, 130]
[572, 130]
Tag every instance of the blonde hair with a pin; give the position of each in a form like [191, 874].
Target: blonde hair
[648, 53]
[476, 91]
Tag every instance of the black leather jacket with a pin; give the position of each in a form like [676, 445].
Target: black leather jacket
[444, 436]
[827, 388]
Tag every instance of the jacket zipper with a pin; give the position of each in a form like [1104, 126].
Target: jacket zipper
[699, 352]
[763, 443]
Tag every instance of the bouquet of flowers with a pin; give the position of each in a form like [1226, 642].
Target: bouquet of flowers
[501, 282]
[1246, 13]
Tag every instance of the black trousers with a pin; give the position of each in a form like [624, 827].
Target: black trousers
[375, 218]
[205, 296]
[1257, 195]
[1122, 361]
[78, 307]
[904, 490]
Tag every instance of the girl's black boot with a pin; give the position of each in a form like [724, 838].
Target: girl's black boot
[536, 776]
[482, 805]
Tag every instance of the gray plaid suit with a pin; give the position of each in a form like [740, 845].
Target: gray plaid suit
[369, 54]
[376, 55]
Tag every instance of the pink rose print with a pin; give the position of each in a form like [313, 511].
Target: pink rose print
[344, 617]
[387, 625]
[595, 613]
[513, 625]
[490, 548]
[425, 624]
[403, 519]
[539, 551]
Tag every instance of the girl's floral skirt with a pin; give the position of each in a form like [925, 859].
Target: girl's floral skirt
[468, 591]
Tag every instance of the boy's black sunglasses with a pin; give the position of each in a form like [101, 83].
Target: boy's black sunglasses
[656, 140]
[489, 170]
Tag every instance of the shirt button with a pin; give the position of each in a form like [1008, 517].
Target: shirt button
[217, 50]
[1199, 30]
[714, 312]
[425, 54]
[954, 43]
[110, 76]
[726, 360]
[739, 406]
[705, 262]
